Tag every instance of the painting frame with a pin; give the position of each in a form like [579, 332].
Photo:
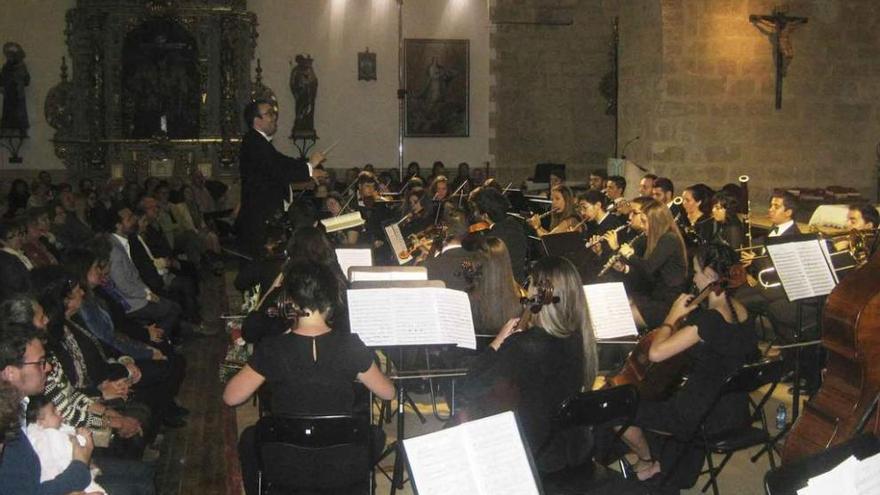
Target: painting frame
[437, 79]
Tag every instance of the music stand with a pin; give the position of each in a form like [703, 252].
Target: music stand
[402, 376]
[805, 273]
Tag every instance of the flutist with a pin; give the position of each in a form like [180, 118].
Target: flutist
[562, 213]
[661, 264]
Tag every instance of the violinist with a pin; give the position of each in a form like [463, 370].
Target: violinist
[719, 342]
[419, 211]
[493, 292]
[656, 257]
[439, 188]
[563, 216]
[726, 225]
[446, 266]
[551, 359]
[490, 207]
[373, 209]
[697, 221]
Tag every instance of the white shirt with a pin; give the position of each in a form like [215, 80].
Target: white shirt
[21, 257]
[779, 229]
[55, 452]
[599, 221]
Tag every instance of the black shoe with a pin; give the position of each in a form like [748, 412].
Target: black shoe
[173, 422]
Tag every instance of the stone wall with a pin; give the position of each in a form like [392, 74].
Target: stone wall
[549, 57]
[699, 89]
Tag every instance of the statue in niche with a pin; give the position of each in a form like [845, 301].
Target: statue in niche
[304, 86]
[14, 77]
[160, 81]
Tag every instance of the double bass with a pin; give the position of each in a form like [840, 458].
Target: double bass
[847, 401]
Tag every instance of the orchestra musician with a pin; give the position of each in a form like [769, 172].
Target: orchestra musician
[446, 266]
[591, 207]
[373, 209]
[663, 192]
[718, 342]
[646, 185]
[697, 220]
[563, 216]
[439, 188]
[493, 292]
[311, 368]
[656, 257]
[615, 186]
[463, 177]
[597, 179]
[552, 359]
[489, 205]
[726, 225]
[862, 216]
[419, 211]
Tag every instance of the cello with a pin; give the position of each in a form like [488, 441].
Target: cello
[847, 401]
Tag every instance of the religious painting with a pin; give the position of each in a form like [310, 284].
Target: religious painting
[437, 86]
[366, 66]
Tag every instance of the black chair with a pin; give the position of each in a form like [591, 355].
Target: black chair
[595, 409]
[314, 455]
[746, 380]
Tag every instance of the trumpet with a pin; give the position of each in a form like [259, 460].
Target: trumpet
[678, 200]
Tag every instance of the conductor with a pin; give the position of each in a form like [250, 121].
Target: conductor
[266, 174]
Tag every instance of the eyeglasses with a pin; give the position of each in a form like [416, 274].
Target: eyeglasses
[40, 362]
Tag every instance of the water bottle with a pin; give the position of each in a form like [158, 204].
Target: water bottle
[781, 416]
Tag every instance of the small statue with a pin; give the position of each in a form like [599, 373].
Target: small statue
[304, 86]
[14, 77]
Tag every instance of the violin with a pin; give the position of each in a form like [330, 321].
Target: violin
[479, 226]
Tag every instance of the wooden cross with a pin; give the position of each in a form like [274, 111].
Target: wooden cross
[778, 26]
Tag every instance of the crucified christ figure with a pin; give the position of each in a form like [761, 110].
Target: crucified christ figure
[778, 26]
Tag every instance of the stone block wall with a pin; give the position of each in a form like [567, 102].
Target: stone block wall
[698, 85]
[548, 60]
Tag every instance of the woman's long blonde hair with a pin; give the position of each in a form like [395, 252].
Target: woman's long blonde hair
[660, 221]
[569, 316]
[568, 211]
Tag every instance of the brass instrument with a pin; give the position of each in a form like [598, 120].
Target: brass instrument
[744, 184]
[859, 247]
[678, 200]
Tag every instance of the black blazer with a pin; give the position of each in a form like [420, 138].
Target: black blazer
[265, 174]
[447, 267]
[14, 275]
[512, 233]
[145, 267]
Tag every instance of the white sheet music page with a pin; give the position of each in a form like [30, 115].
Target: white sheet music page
[839, 481]
[497, 438]
[610, 313]
[867, 476]
[353, 257]
[827, 254]
[398, 244]
[454, 460]
[456, 320]
[388, 275]
[802, 269]
[440, 464]
[411, 316]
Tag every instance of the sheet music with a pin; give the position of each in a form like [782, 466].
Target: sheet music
[353, 257]
[398, 244]
[497, 438]
[411, 316]
[454, 460]
[342, 222]
[802, 269]
[610, 313]
[850, 477]
[827, 254]
[388, 275]
[867, 476]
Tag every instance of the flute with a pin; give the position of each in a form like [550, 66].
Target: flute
[614, 258]
[588, 245]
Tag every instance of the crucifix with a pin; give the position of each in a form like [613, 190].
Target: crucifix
[779, 26]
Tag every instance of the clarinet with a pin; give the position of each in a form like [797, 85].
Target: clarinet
[614, 259]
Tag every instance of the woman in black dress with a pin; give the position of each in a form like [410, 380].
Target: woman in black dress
[718, 341]
[546, 363]
[655, 266]
[310, 368]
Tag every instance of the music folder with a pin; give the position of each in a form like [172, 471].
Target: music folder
[397, 241]
[348, 258]
[487, 456]
[803, 265]
[411, 316]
